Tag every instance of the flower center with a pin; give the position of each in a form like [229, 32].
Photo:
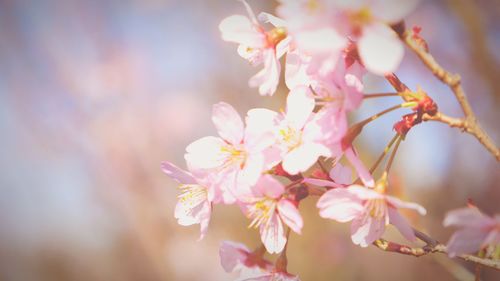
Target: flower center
[360, 18]
[290, 137]
[192, 194]
[276, 35]
[260, 212]
[377, 209]
[234, 155]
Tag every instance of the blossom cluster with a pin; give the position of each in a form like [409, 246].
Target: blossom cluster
[260, 162]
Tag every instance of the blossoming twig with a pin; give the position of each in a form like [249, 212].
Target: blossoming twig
[439, 248]
[469, 123]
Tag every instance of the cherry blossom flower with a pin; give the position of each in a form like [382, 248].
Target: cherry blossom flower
[269, 210]
[300, 137]
[477, 231]
[239, 156]
[370, 211]
[258, 45]
[236, 257]
[379, 47]
[195, 202]
[338, 91]
[314, 31]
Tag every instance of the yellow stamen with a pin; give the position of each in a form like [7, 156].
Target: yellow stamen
[290, 137]
[261, 211]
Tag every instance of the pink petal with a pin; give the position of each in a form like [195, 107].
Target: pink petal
[269, 187]
[204, 153]
[177, 174]
[365, 230]
[332, 123]
[380, 49]
[252, 170]
[283, 47]
[232, 254]
[406, 205]
[401, 224]
[469, 217]
[205, 216]
[362, 171]
[268, 78]
[295, 70]
[466, 241]
[320, 41]
[228, 122]
[254, 56]
[341, 174]
[268, 18]
[493, 237]
[192, 212]
[319, 182]
[239, 29]
[363, 192]
[272, 235]
[290, 215]
[299, 106]
[303, 157]
[259, 132]
[392, 11]
[340, 205]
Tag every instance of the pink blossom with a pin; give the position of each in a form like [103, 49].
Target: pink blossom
[477, 230]
[313, 28]
[369, 211]
[379, 47]
[269, 210]
[237, 257]
[300, 136]
[195, 202]
[236, 158]
[258, 45]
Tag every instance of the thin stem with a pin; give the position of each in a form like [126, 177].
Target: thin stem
[393, 154]
[371, 118]
[379, 95]
[322, 166]
[381, 157]
[384, 153]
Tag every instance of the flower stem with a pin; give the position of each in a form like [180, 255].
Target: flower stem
[374, 117]
[393, 154]
[379, 95]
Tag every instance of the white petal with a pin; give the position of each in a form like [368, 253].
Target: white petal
[299, 106]
[380, 49]
[392, 11]
[205, 153]
[303, 157]
[272, 235]
[240, 29]
[228, 122]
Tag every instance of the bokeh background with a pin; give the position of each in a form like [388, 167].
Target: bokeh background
[95, 94]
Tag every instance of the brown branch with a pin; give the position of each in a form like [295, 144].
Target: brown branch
[468, 126]
[469, 123]
[438, 248]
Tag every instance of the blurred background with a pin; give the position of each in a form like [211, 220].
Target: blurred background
[95, 94]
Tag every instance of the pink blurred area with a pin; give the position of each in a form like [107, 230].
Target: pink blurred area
[95, 94]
